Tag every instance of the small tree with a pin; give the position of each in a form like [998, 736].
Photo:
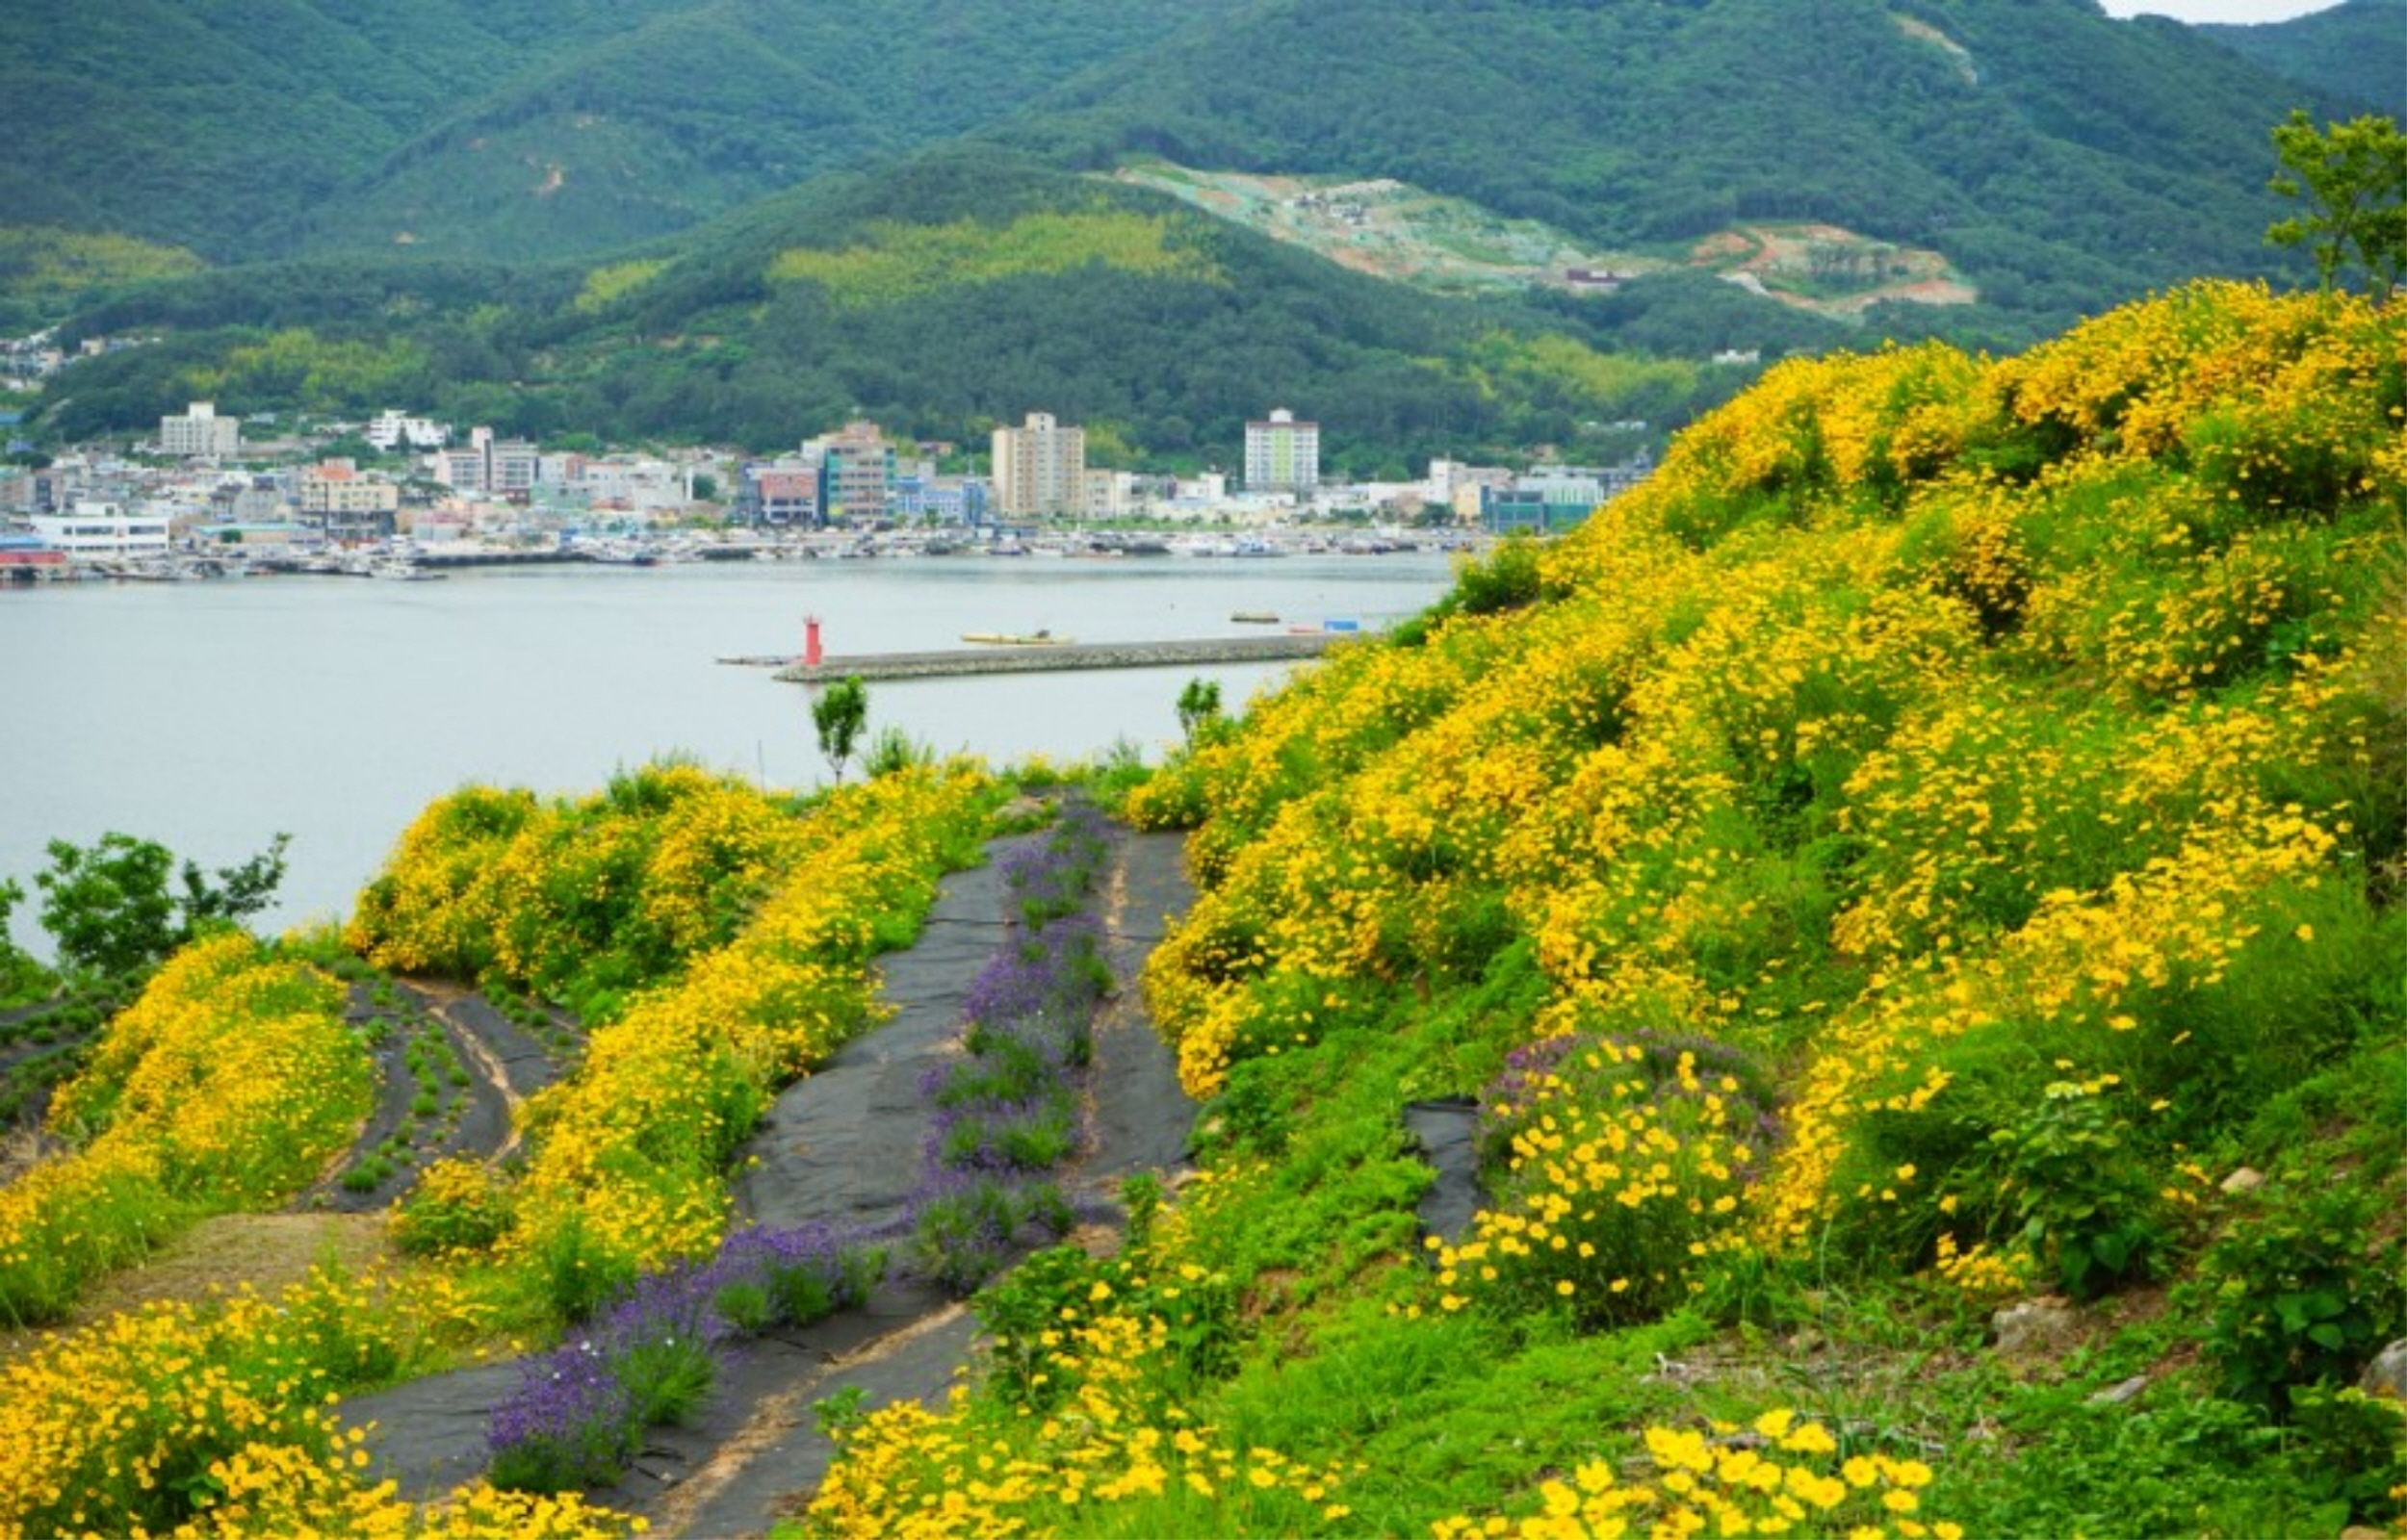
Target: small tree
[23, 980]
[1198, 707]
[840, 715]
[110, 910]
[2354, 181]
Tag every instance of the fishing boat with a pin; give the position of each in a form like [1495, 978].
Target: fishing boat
[1255, 617]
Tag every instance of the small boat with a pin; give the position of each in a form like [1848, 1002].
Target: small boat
[1015, 639]
[1255, 617]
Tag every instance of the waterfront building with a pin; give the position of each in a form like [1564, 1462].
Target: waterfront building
[783, 494]
[487, 465]
[1282, 454]
[104, 531]
[1556, 497]
[855, 472]
[200, 433]
[346, 504]
[24, 557]
[1040, 469]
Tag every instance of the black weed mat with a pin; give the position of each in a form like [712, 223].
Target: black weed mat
[845, 1146]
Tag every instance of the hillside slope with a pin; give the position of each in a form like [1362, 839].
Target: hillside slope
[500, 131]
[1909, 857]
[2356, 51]
[956, 290]
[2062, 160]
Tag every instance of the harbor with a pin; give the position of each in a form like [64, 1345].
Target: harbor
[1052, 657]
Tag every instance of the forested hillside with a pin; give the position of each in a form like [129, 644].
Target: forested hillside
[2355, 51]
[964, 288]
[511, 130]
[2061, 159]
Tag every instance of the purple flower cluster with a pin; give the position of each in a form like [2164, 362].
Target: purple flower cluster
[1007, 1110]
[580, 1412]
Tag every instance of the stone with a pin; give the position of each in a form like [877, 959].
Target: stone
[2247, 1179]
[2048, 1326]
[2386, 1375]
[2117, 1394]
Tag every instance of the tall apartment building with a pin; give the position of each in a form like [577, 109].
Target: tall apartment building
[1040, 469]
[200, 433]
[857, 472]
[1282, 454]
[486, 464]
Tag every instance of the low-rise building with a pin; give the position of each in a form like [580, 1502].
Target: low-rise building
[390, 430]
[783, 494]
[348, 506]
[104, 531]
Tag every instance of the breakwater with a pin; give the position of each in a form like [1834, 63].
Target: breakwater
[955, 662]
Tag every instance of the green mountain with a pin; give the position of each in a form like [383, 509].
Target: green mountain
[1979, 169]
[2059, 158]
[2356, 51]
[962, 287]
[514, 130]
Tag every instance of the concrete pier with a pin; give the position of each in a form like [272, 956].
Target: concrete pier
[955, 662]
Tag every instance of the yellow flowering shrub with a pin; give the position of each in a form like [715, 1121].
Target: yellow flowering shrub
[212, 1420]
[228, 1085]
[1624, 1165]
[1923, 722]
[1115, 1443]
[627, 1153]
[582, 899]
[1779, 1477]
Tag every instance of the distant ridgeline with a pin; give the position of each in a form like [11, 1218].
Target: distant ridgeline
[735, 262]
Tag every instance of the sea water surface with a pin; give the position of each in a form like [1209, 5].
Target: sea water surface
[210, 716]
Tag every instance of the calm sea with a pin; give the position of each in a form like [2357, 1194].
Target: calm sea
[209, 716]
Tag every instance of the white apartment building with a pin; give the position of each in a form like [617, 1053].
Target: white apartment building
[1282, 454]
[1040, 469]
[200, 433]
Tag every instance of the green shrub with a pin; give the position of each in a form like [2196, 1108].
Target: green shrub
[2303, 1291]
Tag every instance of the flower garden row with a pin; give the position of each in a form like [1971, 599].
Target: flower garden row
[1904, 856]
[719, 942]
[1002, 1115]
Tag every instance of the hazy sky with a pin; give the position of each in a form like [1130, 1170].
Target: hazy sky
[2218, 10]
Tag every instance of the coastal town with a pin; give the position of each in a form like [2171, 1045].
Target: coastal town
[215, 495]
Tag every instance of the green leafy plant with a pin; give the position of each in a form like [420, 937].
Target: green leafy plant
[2085, 1194]
[839, 715]
[2353, 177]
[109, 909]
[2302, 1291]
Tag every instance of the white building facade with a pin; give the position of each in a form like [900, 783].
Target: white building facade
[200, 433]
[104, 531]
